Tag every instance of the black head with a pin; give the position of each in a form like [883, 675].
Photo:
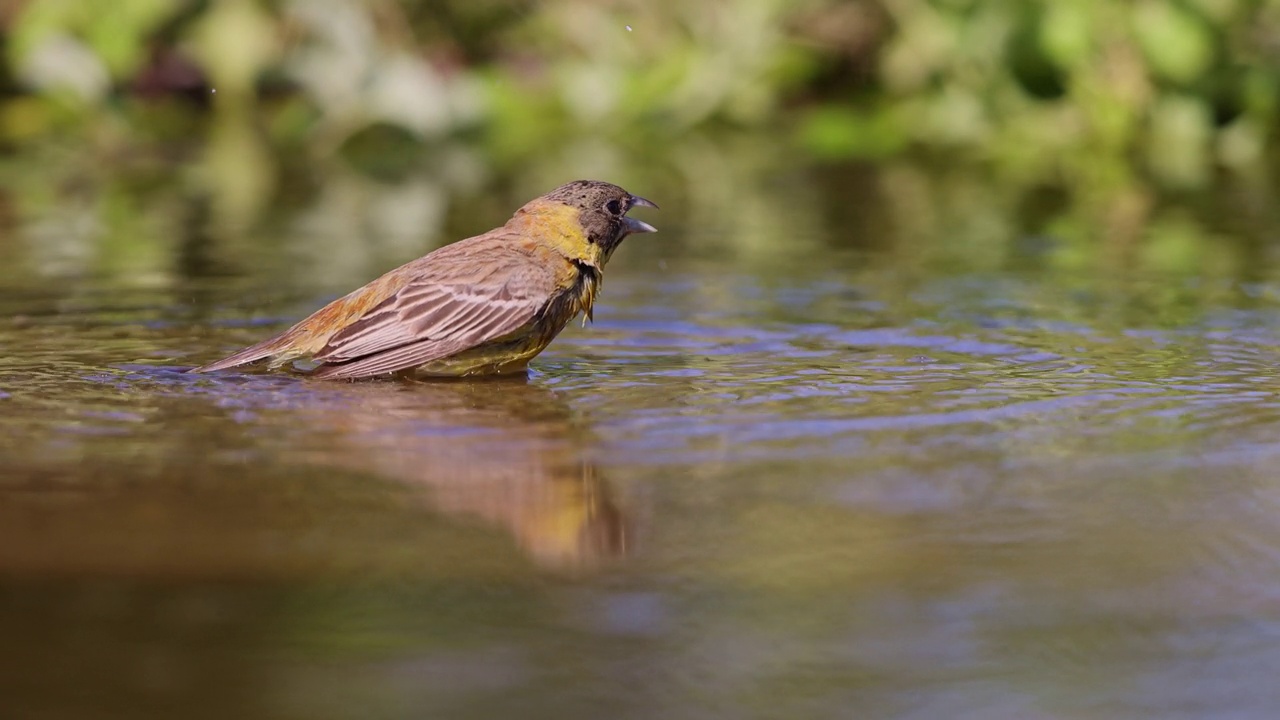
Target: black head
[603, 211]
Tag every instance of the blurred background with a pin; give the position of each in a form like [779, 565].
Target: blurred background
[157, 140]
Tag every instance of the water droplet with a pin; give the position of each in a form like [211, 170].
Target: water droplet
[628, 28]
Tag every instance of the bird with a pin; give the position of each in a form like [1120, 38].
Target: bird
[486, 305]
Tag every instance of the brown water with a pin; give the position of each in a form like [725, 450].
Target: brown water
[878, 476]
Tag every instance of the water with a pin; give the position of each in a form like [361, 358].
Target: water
[846, 480]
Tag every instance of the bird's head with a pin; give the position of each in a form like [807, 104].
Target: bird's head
[595, 213]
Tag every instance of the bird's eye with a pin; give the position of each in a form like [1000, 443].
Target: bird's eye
[614, 207]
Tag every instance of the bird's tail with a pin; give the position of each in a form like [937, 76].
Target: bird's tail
[276, 348]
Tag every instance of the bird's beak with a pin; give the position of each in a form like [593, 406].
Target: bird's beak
[634, 226]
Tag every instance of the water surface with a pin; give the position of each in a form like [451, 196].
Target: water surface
[846, 481]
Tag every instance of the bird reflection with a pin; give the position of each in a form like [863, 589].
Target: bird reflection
[507, 452]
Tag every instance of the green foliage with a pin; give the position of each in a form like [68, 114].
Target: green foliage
[1176, 43]
[1081, 93]
[963, 74]
[1157, 77]
[76, 49]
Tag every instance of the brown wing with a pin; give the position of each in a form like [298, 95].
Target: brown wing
[450, 305]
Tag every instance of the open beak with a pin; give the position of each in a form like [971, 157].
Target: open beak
[634, 226]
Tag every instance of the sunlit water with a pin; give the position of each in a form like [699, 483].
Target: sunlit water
[840, 488]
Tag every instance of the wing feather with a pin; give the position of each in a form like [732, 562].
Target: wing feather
[444, 310]
[388, 361]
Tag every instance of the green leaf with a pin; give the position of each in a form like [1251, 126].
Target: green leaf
[1177, 43]
[1065, 33]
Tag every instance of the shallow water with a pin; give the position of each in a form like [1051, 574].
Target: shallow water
[842, 483]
